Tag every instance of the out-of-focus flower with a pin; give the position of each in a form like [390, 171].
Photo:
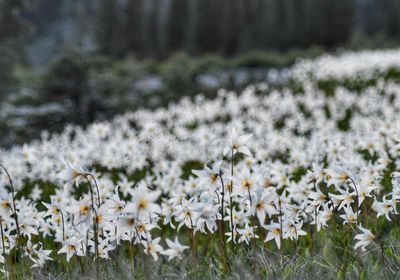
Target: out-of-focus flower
[236, 144]
[175, 249]
[364, 238]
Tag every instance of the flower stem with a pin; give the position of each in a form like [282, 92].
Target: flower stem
[358, 197]
[14, 210]
[231, 203]
[95, 225]
[4, 247]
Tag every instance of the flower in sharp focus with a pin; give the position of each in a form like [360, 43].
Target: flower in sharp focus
[274, 232]
[72, 247]
[188, 212]
[103, 217]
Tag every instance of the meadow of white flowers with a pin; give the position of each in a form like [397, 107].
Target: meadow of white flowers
[269, 167]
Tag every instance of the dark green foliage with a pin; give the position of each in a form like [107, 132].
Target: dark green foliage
[229, 27]
[187, 168]
[344, 124]
[179, 13]
[109, 29]
[12, 26]
[67, 80]
[179, 74]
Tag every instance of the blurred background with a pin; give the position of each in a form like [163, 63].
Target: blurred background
[77, 61]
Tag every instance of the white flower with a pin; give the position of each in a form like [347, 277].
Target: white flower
[70, 172]
[293, 230]
[344, 199]
[386, 207]
[143, 201]
[246, 234]
[274, 232]
[39, 256]
[27, 227]
[364, 191]
[263, 203]
[175, 249]
[338, 175]
[81, 210]
[152, 247]
[365, 238]
[209, 176]
[350, 216]
[237, 144]
[72, 246]
[317, 197]
[53, 209]
[322, 217]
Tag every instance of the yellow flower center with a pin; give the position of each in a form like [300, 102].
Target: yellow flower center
[84, 210]
[235, 146]
[343, 176]
[5, 204]
[213, 177]
[143, 203]
[99, 218]
[276, 231]
[246, 183]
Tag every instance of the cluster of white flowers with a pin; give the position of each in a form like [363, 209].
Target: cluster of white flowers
[253, 147]
[349, 65]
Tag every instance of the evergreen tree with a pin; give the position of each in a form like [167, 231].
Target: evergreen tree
[248, 21]
[153, 46]
[207, 32]
[68, 80]
[12, 28]
[299, 23]
[133, 28]
[178, 16]
[392, 22]
[230, 26]
[337, 21]
[108, 29]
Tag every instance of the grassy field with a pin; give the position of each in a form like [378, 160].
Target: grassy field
[295, 181]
